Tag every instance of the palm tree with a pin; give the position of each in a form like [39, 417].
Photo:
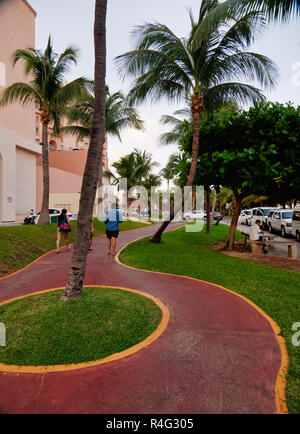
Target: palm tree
[205, 73]
[118, 116]
[136, 167]
[74, 284]
[168, 174]
[48, 89]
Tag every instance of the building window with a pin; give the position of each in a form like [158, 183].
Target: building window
[37, 131]
[37, 119]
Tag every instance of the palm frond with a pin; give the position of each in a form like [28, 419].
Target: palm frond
[76, 130]
[253, 66]
[19, 92]
[243, 93]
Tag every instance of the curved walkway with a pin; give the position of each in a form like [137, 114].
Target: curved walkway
[217, 355]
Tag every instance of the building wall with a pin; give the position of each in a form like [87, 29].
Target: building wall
[17, 30]
[66, 170]
[25, 181]
[17, 172]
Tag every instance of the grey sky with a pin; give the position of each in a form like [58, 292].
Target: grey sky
[71, 22]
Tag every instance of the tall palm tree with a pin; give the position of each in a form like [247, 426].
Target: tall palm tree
[74, 284]
[205, 74]
[48, 89]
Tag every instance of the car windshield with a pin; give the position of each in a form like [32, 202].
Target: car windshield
[287, 215]
[267, 211]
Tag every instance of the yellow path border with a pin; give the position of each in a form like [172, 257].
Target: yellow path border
[117, 356]
[280, 384]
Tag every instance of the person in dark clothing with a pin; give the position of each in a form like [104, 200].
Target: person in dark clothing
[63, 227]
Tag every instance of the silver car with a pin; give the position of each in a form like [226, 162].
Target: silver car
[280, 221]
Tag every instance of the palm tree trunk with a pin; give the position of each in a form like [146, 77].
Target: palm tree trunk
[196, 110]
[234, 221]
[44, 216]
[74, 284]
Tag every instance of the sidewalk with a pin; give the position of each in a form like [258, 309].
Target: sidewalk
[217, 355]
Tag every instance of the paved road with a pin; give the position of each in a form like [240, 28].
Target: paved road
[218, 354]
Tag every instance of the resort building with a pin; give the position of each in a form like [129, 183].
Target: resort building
[18, 149]
[21, 180]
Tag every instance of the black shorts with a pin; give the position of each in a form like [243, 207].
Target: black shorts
[112, 234]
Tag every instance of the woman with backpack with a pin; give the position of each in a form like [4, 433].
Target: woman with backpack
[63, 227]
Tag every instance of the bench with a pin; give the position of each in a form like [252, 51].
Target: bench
[257, 247]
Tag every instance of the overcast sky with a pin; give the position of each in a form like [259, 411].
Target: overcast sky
[71, 22]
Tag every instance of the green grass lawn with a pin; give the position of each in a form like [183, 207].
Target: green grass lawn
[275, 291]
[20, 245]
[42, 330]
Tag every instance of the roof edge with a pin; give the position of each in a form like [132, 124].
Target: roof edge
[30, 7]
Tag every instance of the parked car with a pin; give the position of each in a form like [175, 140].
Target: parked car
[54, 212]
[296, 224]
[194, 215]
[281, 221]
[261, 213]
[245, 217]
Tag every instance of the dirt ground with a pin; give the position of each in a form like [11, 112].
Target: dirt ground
[274, 261]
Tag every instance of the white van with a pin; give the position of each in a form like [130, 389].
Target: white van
[296, 223]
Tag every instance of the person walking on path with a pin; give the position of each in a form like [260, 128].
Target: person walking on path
[91, 240]
[63, 227]
[112, 219]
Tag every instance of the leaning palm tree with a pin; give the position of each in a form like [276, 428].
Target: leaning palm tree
[47, 88]
[205, 74]
[74, 284]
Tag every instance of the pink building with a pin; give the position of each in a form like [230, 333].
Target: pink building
[66, 169]
[18, 150]
[21, 181]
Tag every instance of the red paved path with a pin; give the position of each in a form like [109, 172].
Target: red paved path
[217, 355]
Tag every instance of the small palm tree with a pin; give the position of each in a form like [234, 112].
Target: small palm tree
[203, 71]
[136, 167]
[118, 116]
[167, 173]
[48, 88]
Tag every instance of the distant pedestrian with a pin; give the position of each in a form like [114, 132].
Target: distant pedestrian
[91, 240]
[63, 227]
[112, 219]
